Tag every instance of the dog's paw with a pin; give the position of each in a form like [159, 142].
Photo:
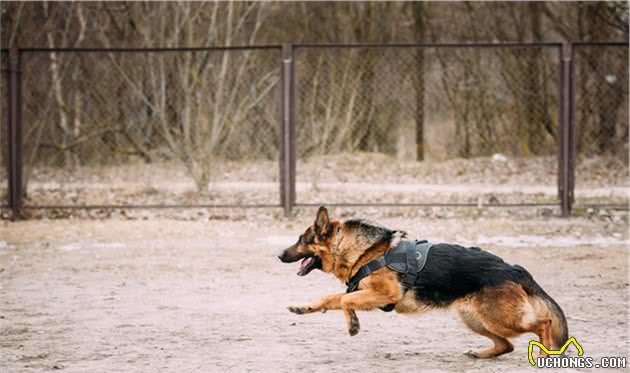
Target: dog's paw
[300, 310]
[354, 327]
[472, 354]
[353, 330]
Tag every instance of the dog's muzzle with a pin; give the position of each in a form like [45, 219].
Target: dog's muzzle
[309, 261]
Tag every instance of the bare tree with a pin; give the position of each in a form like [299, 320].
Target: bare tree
[197, 100]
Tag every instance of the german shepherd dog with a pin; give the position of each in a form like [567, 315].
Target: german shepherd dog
[493, 298]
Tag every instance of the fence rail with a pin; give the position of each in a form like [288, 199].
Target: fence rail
[469, 124]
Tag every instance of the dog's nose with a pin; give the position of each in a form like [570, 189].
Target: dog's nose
[281, 257]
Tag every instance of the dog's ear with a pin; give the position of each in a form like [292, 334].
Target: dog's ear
[322, 222]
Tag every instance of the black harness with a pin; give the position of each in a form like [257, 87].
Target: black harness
[408, 258]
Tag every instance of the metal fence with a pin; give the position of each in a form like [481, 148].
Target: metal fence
[150, 127]
[601, 122]
[301, 125]
[366, 119]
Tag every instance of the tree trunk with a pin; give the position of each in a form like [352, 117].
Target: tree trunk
[366, 60]
[533, 100]
[419, 28]
[369, 141]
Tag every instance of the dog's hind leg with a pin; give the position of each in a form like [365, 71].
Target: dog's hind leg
[501, 312]
[501, 344]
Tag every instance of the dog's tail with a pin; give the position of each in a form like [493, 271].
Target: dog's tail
[559, 328]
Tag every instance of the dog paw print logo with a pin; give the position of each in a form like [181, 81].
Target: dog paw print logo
[570, 341]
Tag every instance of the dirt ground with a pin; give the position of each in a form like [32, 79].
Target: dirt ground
[210, 296]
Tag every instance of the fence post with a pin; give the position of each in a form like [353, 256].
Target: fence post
[287, 177]
[15, 133]
[572, 128]
[567, 137]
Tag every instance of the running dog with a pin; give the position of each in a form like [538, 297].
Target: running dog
[493, 298]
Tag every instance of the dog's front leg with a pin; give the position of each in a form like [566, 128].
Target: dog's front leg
[329, 302]
[365, 300]
[352, 321]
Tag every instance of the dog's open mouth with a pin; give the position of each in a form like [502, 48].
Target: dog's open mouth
[308, 264]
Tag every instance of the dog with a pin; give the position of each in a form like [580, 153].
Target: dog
[493, 298]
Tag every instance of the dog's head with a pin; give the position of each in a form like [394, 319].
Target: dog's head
[314, 245]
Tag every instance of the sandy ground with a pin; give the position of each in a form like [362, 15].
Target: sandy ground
[210, 296]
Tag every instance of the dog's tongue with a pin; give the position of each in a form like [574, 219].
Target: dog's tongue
[304, 265]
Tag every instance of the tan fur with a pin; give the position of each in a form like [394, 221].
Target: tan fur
[409, 304]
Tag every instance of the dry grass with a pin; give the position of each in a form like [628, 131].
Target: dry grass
[343, 178]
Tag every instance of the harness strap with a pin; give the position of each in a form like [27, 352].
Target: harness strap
[412, 269]
[365, 271]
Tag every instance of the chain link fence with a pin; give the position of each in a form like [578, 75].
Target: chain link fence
[484, 121]
[151, 127]
[601, 123]
[445, 125]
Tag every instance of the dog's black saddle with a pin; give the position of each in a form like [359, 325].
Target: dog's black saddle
[408, 258]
